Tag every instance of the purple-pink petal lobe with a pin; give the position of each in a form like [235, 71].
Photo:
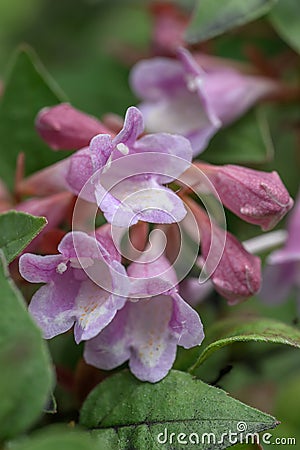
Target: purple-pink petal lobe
[85, 285]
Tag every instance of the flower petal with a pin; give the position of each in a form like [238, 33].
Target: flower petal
[101, 147]
[78, 244]
[80, 171]
[133, 127]
[164, 144]
[141, 333]
[52, 306]
[104, 236]
[111, 347]
[140, 198]
[95, 309]
[151, 278]
[154, 347]
[186, 323]
[39, 269]
[157, 77]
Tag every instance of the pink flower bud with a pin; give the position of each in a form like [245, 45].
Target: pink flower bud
[236, 275]
[255, 196]
[64, 127]
[47, 181]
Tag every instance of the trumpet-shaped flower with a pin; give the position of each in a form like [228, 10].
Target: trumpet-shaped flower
[129, 173]
[69, 295]
[179, 96]
[150, 326]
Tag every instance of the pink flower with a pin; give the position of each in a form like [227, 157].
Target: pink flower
[69, 295]
[148, 329]
[235, 273]
[64, 127]
[255, 196]
[129, 172]
[179, 96]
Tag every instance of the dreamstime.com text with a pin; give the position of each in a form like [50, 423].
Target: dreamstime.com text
[239, 436]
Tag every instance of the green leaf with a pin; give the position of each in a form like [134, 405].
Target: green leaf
[286, 21]
[17, 230]
[28, 89]
[214, 17]
[246, 141]
[131, 414]
[57, 437]
[234, 330]
[26, 375]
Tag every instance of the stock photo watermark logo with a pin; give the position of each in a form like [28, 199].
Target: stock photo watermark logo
[136, 188]
[240, 435]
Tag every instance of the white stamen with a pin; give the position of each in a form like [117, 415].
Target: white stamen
[123, 148]
[266, 241]
[61, 268]
[193, 83]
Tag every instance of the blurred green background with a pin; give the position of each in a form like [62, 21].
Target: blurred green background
[79, 41]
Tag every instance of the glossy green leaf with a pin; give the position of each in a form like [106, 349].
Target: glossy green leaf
[246, 141]
[214, 17]
[26, 375]
[131, 414]
[58, 437]
[286, 20]
[246, 329]
[28, 89]
[17, 230]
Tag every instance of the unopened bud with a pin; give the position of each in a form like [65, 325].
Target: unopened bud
[64, 127]
[236, 274]
[255, 196]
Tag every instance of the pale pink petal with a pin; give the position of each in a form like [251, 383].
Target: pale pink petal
[133, 127]
[80, 171]
[52, 306]
[111, 347]
[186, 323]
[39, 269]
[94, 308]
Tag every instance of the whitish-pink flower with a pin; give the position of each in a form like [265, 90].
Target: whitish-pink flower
[150, 326]
[129, 172]
[179, 96]
[69, 296]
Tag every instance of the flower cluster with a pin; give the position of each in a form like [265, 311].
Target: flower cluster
[132, 310]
